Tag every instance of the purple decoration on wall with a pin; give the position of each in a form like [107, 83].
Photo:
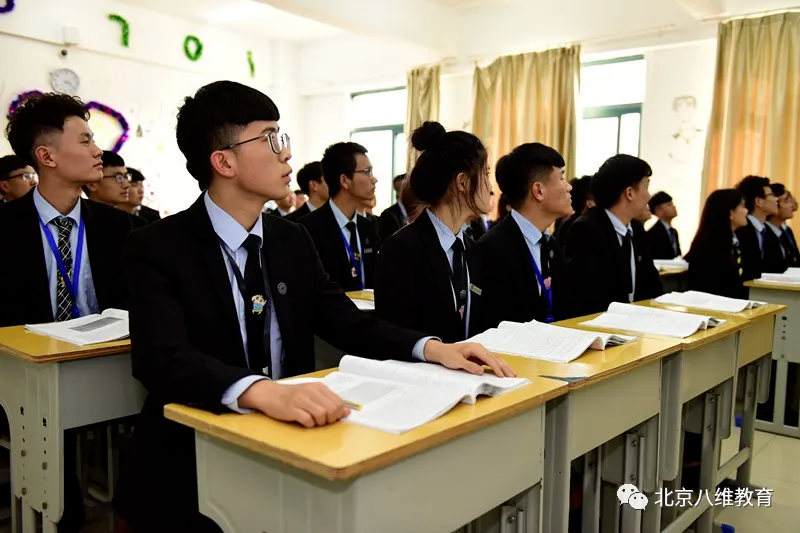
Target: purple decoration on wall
[8, 8]
[118, 116]
[16, 102]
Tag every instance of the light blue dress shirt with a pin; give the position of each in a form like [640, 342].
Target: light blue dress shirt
[342, 220]
[532, 237]
[623, 230]
[759, 229]
[87, 298]
[311, 207]
[446, 240]
[403, 210]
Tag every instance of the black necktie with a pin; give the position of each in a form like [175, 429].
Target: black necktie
[625, 257]
[256, 307]
[791, 250]
[459, 278]
[351, 227]
[763, 240]
[544, 256]
[64, 301]
[674, 238]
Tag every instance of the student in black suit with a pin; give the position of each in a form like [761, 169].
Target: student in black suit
[479, 225]
[346, 242]
[777, 225]
[423, 275]
[715, 263]
[582, 200]
[135, 197]
[70, 250]
[760, 248]
[605, 256]
[113, 189]
[518, 263]
[662, 237]
[396, 216]
[17, 178]
[198, 335]
[312, 183]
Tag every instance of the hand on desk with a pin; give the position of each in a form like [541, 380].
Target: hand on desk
[467, 356]
[310, 404]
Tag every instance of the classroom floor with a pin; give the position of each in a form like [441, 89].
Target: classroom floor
[776, 466]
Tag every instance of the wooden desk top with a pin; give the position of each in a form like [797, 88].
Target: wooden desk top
[749, 314]
[699, 339]
[344, 451]
[362, 295]
[672, 271]
[773, 286]
[18, 342]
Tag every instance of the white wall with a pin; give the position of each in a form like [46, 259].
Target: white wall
[686, 70]
[146, 82]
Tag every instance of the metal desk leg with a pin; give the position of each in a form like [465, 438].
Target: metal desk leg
[634, 465]
[555, 503]
[522, 516]
[709, 459]
[28, 518]
[590, 514]
[747, 436]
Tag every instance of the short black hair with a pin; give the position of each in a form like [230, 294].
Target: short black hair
[580, 193]
[752, 188]
[778, 189]
[527, 163]
[399, 177]
[300, 191]
[39, 115]
[310, 172]
[9, 164]
[112, 159]
[615, 175]
[136, 176]
[338, 159]
[213, 118]
[660, 198]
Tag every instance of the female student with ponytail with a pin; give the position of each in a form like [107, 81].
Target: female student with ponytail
[714, 259]
[422, 279]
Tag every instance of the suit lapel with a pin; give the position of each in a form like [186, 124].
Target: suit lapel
[529, 281]
[280, 275]
[32, 259]
[102, 274]
[437, 260]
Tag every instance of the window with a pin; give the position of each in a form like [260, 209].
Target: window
[612, 93]
[378, 118]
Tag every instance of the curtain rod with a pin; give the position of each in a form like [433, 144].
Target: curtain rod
[754, 14]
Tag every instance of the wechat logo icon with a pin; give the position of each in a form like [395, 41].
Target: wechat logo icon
[629, 494]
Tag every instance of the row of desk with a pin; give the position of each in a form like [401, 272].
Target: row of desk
[506, 459]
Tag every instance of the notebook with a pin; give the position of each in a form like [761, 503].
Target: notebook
[110, 325]
[396, 396]
[639, 319]
[704, 300]
[546, 342]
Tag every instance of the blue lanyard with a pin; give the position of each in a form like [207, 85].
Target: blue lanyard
[547, 291]
[355, 262]
[70, 283]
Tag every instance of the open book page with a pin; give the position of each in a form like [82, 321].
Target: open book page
[706, 321]
[469, 385]
[645, 324]
[785, 279]
[704, 300]
[110, 325]
[667, 264]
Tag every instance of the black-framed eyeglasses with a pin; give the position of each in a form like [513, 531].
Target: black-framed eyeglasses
[121, 178]
[277, 141]
[27, 176]
[366, 171]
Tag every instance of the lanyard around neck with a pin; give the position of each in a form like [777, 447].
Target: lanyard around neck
[71, 283]
[545, 284]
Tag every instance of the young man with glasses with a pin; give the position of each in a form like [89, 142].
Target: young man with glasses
[135, 197]
[347, 243]
[113, 188]
[224, 297]
[759, 247]
[17, 178]
[69, 249]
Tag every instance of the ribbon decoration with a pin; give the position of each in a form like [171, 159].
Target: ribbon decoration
[119, 118]
[8, 8]
[198, 47]
[20, 99]
[126, 30]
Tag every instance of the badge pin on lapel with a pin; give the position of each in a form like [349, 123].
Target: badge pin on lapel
[281, 288]
[258, 304]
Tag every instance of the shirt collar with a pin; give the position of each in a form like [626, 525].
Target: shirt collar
[666, 225]
[402, 209]
[529, 231]
[775, 229]
[619, 227]
[445, 234]
[228, 229]
[311, 207]
[784, 226]
[735, 240]
[755, 222]
[341, 219]
[48, 213]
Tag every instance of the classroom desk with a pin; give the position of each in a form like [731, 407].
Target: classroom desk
[367, 295]
[703, 368]
[674, 279]
[46, 387]
[346, 478]
[786, 350]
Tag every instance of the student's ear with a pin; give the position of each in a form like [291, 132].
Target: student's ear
[344, 182]
[44, 155]
[223, 164]
[536, 190]
[4, 187]
[461, 182]
[92, 187]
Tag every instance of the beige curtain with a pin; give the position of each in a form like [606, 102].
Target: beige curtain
[423, 103]
[754, 120]
[528, 98]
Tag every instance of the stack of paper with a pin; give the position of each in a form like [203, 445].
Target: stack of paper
[790, 277]
[546, 342]
[669, 264]
[704, 300]
[627, 317]
[111, 325]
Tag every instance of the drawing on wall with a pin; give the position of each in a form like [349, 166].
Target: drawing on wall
[688, 134]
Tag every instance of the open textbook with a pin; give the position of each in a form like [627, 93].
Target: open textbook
[111, 325]
[396, 396]
[670, 264]
[640, 319]
[704, 300]
[545, 341]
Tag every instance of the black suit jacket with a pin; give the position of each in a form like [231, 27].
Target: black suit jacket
[593, 267]
[296, 215]
[659, 242]
[477, 230]
[412, 282]
[390, 222]
[793, 252]
[327, 235]
[187, 346]
[149, 214]
[775, 262]
[716, 272]
[752, 260]
[505, 277]
[27, 300]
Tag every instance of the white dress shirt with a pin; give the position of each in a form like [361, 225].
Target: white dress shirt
[759, 231]
[623, 230]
